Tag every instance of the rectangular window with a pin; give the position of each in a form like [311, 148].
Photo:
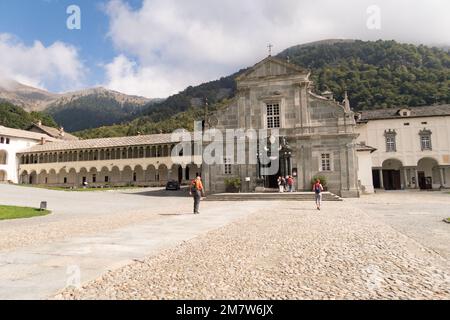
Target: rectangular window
[425, 142]
[390, 144]
[106, 179]
[273, 116]
[326, 162]
[227, 166]
[65, 180]
[94, 178]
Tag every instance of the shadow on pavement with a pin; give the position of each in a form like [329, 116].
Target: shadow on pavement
[175, 214]
[162, 193]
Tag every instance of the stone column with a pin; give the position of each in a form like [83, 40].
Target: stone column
[297, 105]
[301, 167]
[442, 174]
[416, 174]
[184, 175]
[290, 166]
[405, 175]
[381, 179]
[350, 164]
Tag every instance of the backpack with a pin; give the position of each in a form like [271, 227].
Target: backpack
[194, 186]
[317, 188]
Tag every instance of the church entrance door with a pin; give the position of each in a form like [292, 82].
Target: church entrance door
[392, 180]
[272, 180]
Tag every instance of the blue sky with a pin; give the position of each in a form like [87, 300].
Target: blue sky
[155, 48]
[45, 20]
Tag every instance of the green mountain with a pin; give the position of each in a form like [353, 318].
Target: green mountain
[376, 74]
[93, 108]
[90, 108]
[16, 117]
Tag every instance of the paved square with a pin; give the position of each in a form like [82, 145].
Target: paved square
[378, 247]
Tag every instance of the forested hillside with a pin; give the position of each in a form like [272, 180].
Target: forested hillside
[93, 111]
[15, 117]
[377, 74]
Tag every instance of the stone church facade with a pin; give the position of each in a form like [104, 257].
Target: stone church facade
[317, 134]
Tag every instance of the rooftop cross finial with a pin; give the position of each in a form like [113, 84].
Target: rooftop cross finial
[270, 46]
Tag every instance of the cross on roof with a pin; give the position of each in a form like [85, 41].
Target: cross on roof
[270, 46]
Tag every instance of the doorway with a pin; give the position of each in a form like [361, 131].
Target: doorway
[392, 169]
[180, 175]
[427, 171]
[266, 173]
[376, 179]
[3, 176]
[392, 180]
[425, 183]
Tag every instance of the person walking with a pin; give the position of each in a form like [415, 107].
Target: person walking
[318, 189]
[290, 182]
[197, 192]
[280, 184]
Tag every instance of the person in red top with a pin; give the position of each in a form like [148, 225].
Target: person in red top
[197, 192]
[318, 189]
[290, 183]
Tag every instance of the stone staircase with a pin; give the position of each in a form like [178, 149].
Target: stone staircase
[294, 196]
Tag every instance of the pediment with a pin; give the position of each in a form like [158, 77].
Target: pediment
[272, 67]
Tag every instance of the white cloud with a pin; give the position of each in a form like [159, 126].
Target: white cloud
[126, 76]
[166, 45]
[57, 65]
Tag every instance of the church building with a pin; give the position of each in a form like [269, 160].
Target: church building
[316, 134]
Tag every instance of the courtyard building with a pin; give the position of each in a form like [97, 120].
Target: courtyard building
[412, 146]
[127, 161]
[13, 141]
[57, 133]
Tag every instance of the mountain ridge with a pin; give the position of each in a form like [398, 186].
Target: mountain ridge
[35, 99]
[75, 110]
[376, 74]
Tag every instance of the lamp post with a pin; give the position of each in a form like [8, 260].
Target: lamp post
[260, 177]
[286, 153]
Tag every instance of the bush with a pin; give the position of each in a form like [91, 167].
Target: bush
[323, 180]
[233, 184]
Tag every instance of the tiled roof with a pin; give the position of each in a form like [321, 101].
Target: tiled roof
[54, 132]
[10, 132]
[393, 113]
[103, 143]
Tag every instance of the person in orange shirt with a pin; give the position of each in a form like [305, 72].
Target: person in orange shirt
[197, 192]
